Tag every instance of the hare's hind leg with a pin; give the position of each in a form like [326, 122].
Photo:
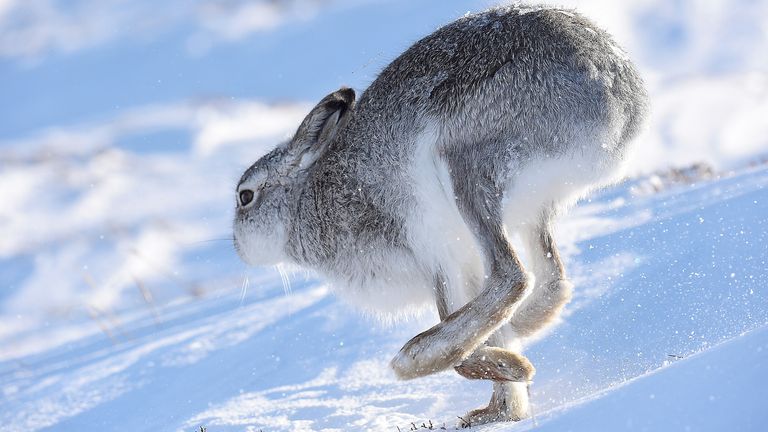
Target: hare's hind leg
[509, 401]
[542, 305]
[460, 333]
[552, 290]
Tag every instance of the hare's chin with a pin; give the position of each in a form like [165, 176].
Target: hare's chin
[259, 250]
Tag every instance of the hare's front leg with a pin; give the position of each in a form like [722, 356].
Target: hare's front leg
[463, 331]
[486, 362]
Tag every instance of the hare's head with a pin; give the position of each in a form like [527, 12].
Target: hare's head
[266, 191]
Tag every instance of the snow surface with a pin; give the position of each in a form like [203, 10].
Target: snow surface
[124, 307]
[703, 393]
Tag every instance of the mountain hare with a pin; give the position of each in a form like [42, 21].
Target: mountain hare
[492, 124]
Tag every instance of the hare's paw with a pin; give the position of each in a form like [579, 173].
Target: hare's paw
[483, 416]
[496, 364]
[429, 352]
[508, 403]
[489, 414]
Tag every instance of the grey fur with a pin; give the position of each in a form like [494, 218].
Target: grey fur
[500, 92]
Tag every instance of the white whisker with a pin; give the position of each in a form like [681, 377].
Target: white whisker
[285, 278]
[244, 289]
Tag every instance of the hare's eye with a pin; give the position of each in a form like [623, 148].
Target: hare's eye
[246, 196]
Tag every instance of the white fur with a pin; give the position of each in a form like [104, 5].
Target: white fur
[261, 247]
[436, 230]
[391, 285]
[556, 183]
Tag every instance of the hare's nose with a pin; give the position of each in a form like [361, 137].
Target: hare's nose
[246, 196]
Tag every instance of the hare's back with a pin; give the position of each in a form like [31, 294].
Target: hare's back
[538, 77]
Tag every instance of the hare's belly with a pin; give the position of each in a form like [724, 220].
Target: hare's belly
[556, 183]
[386, 283]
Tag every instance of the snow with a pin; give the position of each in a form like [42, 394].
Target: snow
[705, 392]
[124, 307]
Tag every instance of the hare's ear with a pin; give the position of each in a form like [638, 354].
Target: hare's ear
[321, 124]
